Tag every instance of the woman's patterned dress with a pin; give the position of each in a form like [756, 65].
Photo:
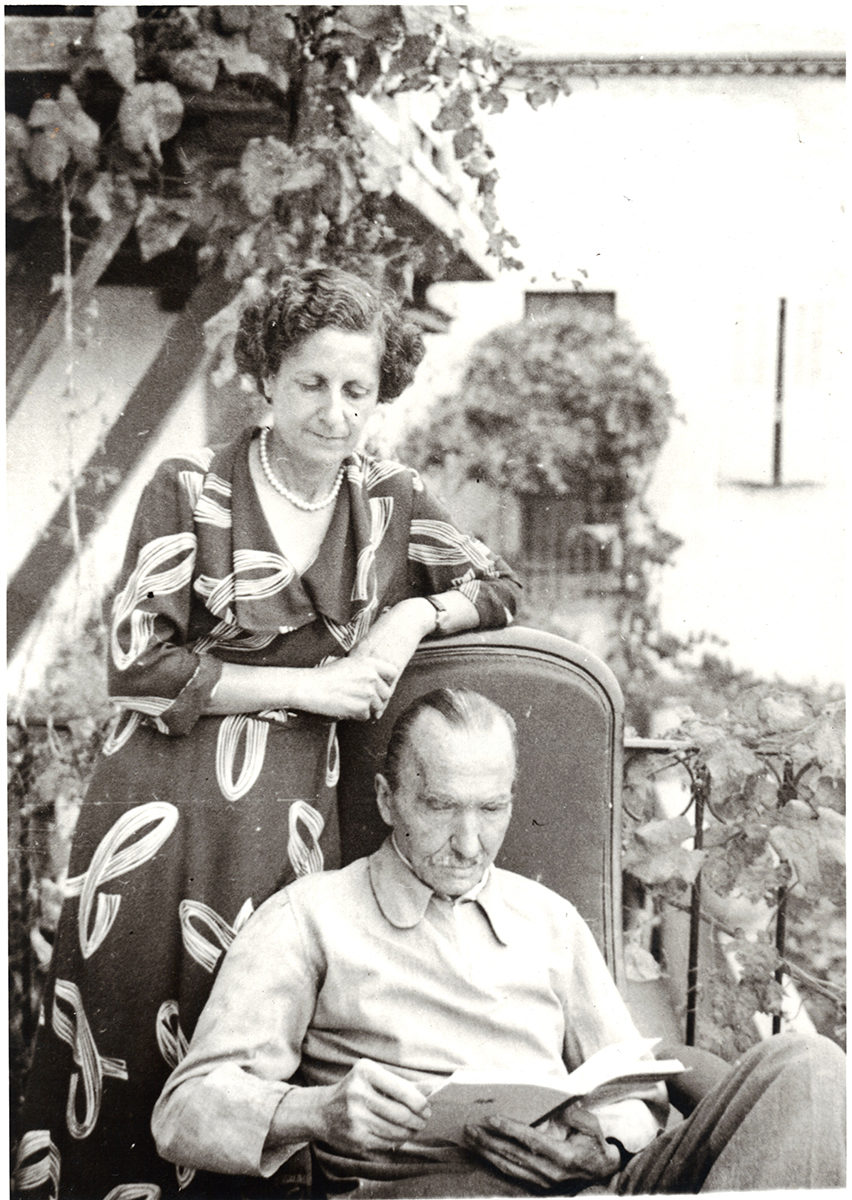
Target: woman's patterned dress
[191, 821]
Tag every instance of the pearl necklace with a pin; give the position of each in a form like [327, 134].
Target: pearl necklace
[283, 490]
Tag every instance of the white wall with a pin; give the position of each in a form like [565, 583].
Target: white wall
[124, 339]
[701, 201]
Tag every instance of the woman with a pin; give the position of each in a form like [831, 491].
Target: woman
[270, 588]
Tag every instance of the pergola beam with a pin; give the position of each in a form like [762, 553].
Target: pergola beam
[49, 337]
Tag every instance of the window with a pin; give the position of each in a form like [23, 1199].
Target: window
[565, 303]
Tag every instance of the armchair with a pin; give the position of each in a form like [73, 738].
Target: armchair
[566, 831]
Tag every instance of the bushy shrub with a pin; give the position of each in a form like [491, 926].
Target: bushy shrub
[565, 406]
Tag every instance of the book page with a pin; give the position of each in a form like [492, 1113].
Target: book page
[471, 1096]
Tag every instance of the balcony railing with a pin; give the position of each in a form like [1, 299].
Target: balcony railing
[673, 754]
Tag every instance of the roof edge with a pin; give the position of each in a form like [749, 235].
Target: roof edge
[593, 65]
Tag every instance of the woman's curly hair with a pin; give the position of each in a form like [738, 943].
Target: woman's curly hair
[321, 298]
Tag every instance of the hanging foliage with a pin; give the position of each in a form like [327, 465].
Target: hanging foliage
[130, 131]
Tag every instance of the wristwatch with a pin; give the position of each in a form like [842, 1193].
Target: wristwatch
[441, 614]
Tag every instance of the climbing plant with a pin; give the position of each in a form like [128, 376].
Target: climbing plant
[768, 772]
[126, 133]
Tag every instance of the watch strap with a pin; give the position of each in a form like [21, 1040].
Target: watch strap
[440, 612]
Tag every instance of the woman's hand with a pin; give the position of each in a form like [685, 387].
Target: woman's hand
[354, 688]
[544, 1156]
[398, 632]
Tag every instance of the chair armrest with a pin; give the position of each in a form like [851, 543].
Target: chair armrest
[704, 1071]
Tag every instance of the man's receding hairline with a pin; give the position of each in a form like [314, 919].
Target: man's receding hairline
[471, 725]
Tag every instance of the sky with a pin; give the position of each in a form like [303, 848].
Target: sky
[615, 27]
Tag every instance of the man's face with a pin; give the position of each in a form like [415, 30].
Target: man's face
[452, 807]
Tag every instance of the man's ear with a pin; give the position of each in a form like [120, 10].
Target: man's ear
[384, 796]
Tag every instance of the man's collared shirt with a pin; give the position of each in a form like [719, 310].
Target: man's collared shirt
[368, 962]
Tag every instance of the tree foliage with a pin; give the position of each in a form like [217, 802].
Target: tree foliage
[570, 406]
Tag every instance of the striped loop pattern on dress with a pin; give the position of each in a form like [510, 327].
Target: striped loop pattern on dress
[254, 734]
[206, 953]
[38, 1163]
[381, 511]
[332, 758]
[134, 1191]
[171, 1039]
[146, 579]
[173, 1045]
[74, 1030]
[118, 735]
[304, 852]
[113, 858]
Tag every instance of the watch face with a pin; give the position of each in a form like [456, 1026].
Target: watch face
[440, 612]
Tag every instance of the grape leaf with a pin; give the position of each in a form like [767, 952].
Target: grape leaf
[494, 100]
[99, 197]
[825, 792]
[269, 167]
[64, 120]
[456, 112]
[271, 32]
[111, 38]
[234, 17]
[150, 114]
[413, 53]
[160, 224]
[48, 154]
[238, 59]
[825, 742]
[196, 66]
[781, 712]
[543, 92]
[465, 140]
[658, 853]
[730, 764]
[814, 847]
[369, 69]
[19, 192]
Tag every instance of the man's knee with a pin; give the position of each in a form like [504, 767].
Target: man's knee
[800, 1059]
[799, 1051]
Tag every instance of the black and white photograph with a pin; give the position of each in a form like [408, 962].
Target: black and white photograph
[426, 541]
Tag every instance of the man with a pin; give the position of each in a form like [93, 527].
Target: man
[351, 994]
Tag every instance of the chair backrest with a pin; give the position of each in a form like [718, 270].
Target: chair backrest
[568, 708]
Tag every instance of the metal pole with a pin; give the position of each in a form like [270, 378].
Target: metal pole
[787, 791]
[780, 939]
[779, 393]
[694, 917]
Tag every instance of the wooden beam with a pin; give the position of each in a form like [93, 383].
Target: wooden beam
[149, 405]
[42, 43]
[49, 337]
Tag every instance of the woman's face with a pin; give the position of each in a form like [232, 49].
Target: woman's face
[324, 393]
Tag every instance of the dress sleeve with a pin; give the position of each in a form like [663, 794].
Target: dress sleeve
[596, 1016]
[151, 669]
[217, 1106]
[442, 558]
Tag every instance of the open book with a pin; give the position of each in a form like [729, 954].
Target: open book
[469, 1097]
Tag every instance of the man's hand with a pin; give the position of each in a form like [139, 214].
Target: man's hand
[372, 1109]
[557, 1152]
